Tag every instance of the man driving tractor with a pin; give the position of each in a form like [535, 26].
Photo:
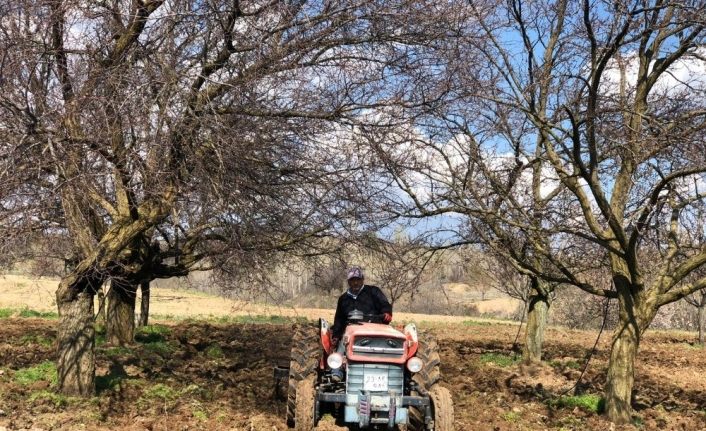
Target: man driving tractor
[365, 298]
[364, 373]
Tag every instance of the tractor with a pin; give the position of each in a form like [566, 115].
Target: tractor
[387, 379]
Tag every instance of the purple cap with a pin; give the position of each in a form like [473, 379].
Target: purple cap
[354, 272]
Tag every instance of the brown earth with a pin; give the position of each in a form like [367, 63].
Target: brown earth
[204, 376]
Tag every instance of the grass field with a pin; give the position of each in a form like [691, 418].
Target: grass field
[20, 292]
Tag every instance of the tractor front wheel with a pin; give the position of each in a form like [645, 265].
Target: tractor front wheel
[443, 408]
[304, 410]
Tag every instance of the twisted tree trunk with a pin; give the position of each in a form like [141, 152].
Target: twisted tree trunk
[76, 337]
[120, 318]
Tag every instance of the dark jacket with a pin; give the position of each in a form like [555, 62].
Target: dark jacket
[370, 300]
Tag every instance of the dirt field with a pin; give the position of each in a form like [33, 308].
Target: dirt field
[204, 376]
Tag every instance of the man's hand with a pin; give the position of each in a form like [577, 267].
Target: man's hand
[387, 317]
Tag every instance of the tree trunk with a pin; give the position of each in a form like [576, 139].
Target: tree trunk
[539, 303]
[120, 318]
[637, 310]
[76, 365]
[621, 372]
[144, 303]
[700, 317]
[100, 315]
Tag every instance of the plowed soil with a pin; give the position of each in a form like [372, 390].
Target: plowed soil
[203, 376]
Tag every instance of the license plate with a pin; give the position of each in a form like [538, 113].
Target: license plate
[375, 382]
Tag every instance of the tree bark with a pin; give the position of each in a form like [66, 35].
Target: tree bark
[536, 324]
[145, 303]
[621, 373]
[700, 317]
[100, 315]
[120, 318]
[636, 313]
[76, 365]
[539, 303]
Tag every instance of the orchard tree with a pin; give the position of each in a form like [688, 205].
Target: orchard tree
[698, 301]
[573, 135]
[162, 137]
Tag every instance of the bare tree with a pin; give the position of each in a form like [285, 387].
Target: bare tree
[162, 137]
[698, 300]
[399, 265]
[573, 146]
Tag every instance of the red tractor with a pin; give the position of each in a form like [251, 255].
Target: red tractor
[390, 379]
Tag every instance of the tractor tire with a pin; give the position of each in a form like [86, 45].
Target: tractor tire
[304, 409]
[426, 379]
[304, 359]
[443, 408]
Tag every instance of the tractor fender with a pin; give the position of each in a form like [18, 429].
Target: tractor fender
[325, 332]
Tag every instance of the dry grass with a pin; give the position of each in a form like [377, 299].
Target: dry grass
[18, 292]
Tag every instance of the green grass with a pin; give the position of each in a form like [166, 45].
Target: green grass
[57, 399]
[475, 323]
[26, 312]
[695, 346]
[214, 351]
[162, 348]
[5, 313]
[118, 351]
[46, 371]
[588, 402]
[168, 317]
[510, 416]
[200, 415]
[165, 394]
[37, 339]
[574, 365]
[259, 319]
[499, 359]
[160, 392]
[152, 333]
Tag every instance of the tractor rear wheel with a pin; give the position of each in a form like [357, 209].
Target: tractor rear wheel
[304, 359]
[304, 409]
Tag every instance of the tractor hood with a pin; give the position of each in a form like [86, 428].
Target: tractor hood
[373, 342]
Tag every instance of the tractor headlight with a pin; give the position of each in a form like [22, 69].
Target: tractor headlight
[335, 360]
[415, 365]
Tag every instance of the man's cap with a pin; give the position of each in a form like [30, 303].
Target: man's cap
[354, 272]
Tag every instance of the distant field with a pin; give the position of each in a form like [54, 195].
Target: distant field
[19, 292]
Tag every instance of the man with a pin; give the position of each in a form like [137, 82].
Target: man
[362, 297]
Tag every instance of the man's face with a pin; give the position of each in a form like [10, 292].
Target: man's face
[355, 284]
